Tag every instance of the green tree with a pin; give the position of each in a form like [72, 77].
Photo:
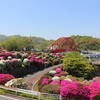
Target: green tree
[77, 65]
[87, 42]
[17, 43]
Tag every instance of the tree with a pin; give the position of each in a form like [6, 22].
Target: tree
[87, 42]
[77, 65]
[17, 43]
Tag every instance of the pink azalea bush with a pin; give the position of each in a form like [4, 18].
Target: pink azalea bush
[74, 91]
[6, 54]
[57, 75]
[65, 82]
[5, 78]
[58, 70]
[83, 92]
[94, 89]
[69, 90]
[55, 82]
[45, 81]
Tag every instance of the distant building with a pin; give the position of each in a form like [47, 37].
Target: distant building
[63, 44]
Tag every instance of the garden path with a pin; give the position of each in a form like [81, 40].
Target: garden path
[33, 78]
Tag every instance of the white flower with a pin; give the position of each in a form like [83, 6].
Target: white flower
[10, 83]
[68, 79]
[52, 72]
[26, 62]
[9, 57]
[56, 78]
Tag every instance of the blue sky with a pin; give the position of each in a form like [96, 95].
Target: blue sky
[50, 19]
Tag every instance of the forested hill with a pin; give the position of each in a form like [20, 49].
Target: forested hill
[9, 42]
[82, 42]
[87, 42]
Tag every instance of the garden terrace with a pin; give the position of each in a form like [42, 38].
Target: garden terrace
[22, 63]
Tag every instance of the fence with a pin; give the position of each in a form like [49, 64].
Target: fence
[36, 93]
[51, 96]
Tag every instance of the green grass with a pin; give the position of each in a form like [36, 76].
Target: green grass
[1, 91]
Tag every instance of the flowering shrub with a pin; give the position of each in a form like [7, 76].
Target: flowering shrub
[58, 70]
[94, 89]
[68, 79]
[2, 58]
[45, 81]
[17, 83]
[2, 65]
[9, 57]
[14, 62]
[55, 78]
[26, 62]
[62, 78]
[5, 78]
[69, 90]
[57, 75]
[74, 91]
[19, 62]
[55, 82]
[8, 64]
[53, 89]
[96, 79]
[7, 54]
[25, 55]
[83, 92]
[52, 72]
[64, 82]
[63, 73]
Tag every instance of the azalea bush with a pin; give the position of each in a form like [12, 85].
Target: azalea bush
[2, 65]
[17, 83]
[5, 78]
[74, 91]
[45, 81]
[55, 82]
[6, 54]
[94, 89]
[53, 89]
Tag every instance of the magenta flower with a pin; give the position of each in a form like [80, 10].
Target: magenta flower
[94, 89]
[5, 78]
[55, 82]
[58, 70]
[45, 81]
[69, 90]
[57, 75]
[65, 82]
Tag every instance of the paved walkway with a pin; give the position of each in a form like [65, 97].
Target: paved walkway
[33, 78]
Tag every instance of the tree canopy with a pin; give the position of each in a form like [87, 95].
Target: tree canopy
[77, 65]
[87, 42]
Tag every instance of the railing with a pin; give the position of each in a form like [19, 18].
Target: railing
[36, 93]
[47, 95]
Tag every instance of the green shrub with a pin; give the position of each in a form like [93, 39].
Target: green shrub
[77, 65]
[97, 97]
[53, 89]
